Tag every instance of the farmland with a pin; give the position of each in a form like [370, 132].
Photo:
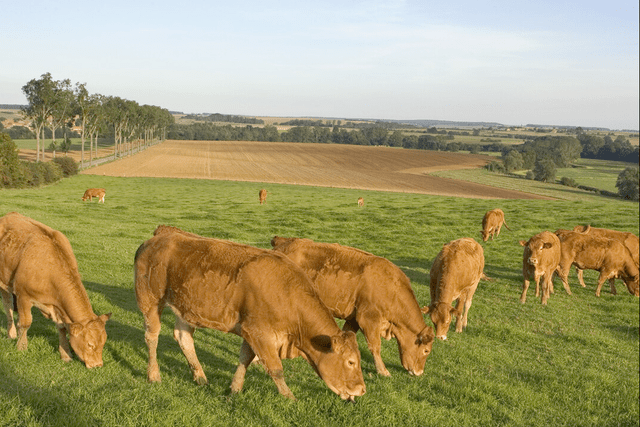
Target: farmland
[574, 362]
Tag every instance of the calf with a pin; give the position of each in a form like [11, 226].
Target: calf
[370, 293]
[257, 294]
[90, 193]
[492, 223]
[540, 259]
[607, 256]
[455, 275]
[37, 265]
[360, 202]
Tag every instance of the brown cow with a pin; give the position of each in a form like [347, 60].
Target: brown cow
[492, 223]
[94, 192]
[255, 293]
[630, 240]
[37, 265]
[262, 194]
[540, 259]
[607, 256]
[370, 293]
[455, 275]
[360, 202]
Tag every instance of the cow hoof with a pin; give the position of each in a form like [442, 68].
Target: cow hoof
[201, 381]
[384, 373]
[154, 377]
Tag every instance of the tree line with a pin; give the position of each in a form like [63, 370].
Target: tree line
[57, 105]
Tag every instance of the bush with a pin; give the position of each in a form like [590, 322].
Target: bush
[569, 182]
[42, 173]
[68, 165]
[545, 170]
[530, 175]
[494, 166]
[628, 183]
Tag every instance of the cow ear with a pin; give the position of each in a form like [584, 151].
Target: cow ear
[75, 329]
[426, 335]
[522, 242]
[105, 317]
[323, 343]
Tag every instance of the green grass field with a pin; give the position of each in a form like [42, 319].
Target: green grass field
[574, 362]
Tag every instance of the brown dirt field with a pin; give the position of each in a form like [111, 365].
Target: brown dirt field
[322, 165]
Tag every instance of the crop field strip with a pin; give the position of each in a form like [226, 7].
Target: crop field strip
[325, 165]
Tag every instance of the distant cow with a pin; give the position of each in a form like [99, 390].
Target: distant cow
[257, 294]
[94, 192]
[262, 194]
[492, 223]
[37, 265]
[360, 202]
[607, 256]
[455, 275]
[370, 293]
[540, 259]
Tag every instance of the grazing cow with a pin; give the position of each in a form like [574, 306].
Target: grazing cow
[492, 223]
[540, 259]
[255, 293]
[607, 256]
[360, 202]
[455, 275]
[94, 192]
[370, 293]
[630, 240]
[37, 265]
[262, 194]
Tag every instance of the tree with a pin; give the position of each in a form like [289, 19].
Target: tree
[545, 170]
[62, 109]
[513, 161]
[41, 95]
[628, 183]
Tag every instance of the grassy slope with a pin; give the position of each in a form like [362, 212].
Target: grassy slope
[574, 362]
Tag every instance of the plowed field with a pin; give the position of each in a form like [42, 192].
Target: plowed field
[324, 165]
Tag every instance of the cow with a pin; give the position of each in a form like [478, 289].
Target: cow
[360, 202]
[608, 256]
[540, 259]
[630, 240]
[492, 223]
[255, 293]
[369, 292]
[262, 194]
[90, 193]
[38, 267]
[455, 274]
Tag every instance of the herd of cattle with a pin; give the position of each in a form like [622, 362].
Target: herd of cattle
[283, 302]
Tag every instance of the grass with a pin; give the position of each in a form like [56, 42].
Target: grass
[573, 362]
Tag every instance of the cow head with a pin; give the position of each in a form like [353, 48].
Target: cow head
[87, 340]
[414, 349]
[536, 245]
[337, 362]
[485, 235]
[441, 315]
[632, 283]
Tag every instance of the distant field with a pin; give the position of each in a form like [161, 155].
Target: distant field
[326, 165]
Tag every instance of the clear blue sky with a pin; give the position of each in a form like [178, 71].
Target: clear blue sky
[513, 62]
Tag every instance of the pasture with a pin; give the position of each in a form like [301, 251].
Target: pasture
[574, 362]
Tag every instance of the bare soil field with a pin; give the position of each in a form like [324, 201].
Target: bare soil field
[322, 165]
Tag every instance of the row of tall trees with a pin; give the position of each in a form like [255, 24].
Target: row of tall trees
[57, 104]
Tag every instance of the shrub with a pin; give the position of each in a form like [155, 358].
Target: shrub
[68, 165]
[530, 175]
[42, 173]
[545, 170]
[494, 166]
[628, 183]
[569, 182]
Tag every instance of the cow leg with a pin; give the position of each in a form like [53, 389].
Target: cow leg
[271, 361]
[612, 285]
[547, 286]
[374, 342]
[24, 322]
[601, 279]
[525, 288]
[563, 272]
[580, 274]
[63, 344]
[183, 333]
[498, 230]
[465, 299]
[246, 357]
[7, 302]
[151, 333]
